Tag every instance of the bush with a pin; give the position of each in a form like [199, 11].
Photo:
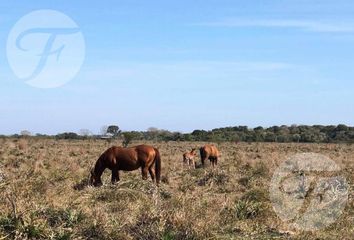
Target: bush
[220, 178]
[129, 137]
[19, 228]
[67, 135]
[61, 217]
[245, 209]
[260, 170]
[255, 195]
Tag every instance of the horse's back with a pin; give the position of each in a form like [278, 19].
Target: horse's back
[210, 150]
[145, 151]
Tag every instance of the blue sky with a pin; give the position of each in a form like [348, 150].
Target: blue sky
[184, 65]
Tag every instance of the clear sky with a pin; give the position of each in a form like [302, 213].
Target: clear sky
[184, 65]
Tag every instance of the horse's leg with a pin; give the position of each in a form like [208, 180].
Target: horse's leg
[192, 163]
[115, 176]
[203, 160]
[144, 172]
[152, 173]
[185, 162]
[212, 160]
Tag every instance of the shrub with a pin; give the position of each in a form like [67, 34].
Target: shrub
[220, 178]
[61, 217]
[244, 181]
[22, 144]
[245, 209]
[255, 195]
[67, 135]
[260, 170]
[129, 137]
[19, 228]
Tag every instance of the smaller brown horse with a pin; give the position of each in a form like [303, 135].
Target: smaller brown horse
[128, 159]
[209, 152]
[188, 158]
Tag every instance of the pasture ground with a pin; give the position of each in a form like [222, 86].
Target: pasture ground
[44, 193]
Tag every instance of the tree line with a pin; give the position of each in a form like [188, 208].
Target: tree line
[282, 134]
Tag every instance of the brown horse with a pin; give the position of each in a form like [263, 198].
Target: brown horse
[128, 159]
[188, 158]
[209, 152]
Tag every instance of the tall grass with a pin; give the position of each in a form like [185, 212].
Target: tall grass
[44, 193]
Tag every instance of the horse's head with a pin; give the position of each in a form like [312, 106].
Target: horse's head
[94, 179]
[194, 152]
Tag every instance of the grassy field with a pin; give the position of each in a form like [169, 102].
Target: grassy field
[44, 193]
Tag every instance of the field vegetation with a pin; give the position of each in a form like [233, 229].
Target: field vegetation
[44, 193]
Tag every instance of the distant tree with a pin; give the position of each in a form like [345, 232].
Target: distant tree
[341, 136]
[40, 135]
[294, 129]
[307, 137]
[235, 138]
[293, 133]
[283, 138]
[164, 135]
[152, 133]
[152, 129]
[67, 135]
[351, 136]
[200, 135]
[243, 128]
[188, 137]
[128, 137]
[177, 136]
[341, 127]
[276, 129]
[259, 136]
[114, 130]
[250, 137]
[258, 129]
[296, 138]
[322, 137]
[270, 137]
[85, 132]
[104, 130]
[25, 133]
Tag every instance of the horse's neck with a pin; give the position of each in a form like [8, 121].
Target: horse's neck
[99, 168]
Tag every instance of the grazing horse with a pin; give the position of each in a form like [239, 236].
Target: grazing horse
[209, 152]
[188, 158]
[128, 159]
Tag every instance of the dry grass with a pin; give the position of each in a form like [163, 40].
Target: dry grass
[44, 194]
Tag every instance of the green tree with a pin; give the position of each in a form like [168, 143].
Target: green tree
[128, 137]
[114, 130]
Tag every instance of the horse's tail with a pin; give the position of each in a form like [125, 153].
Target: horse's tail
[157, 166]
